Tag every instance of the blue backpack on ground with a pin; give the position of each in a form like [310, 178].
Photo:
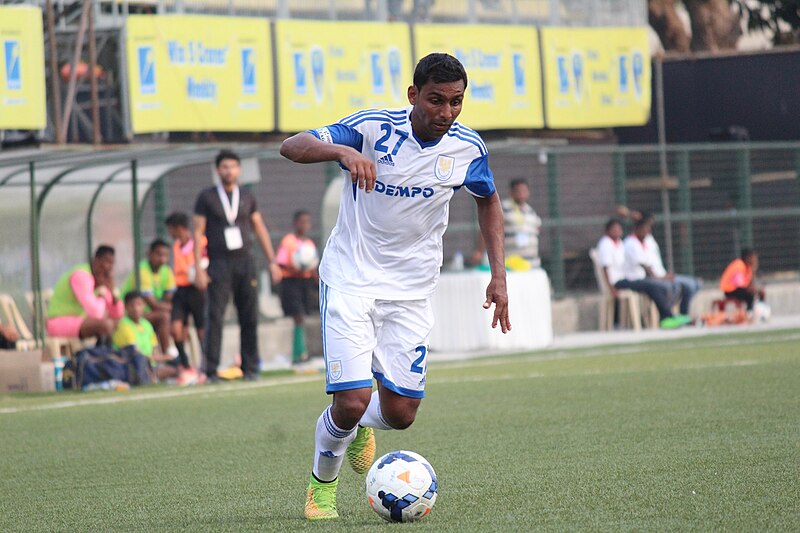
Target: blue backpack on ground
[101, 363]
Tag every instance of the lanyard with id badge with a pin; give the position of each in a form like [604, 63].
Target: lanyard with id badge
[233, 234]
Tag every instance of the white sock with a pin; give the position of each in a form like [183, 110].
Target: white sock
[330, 443]
[372, 416]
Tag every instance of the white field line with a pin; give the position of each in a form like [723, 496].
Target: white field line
[597, 372]
[155, 395]
[564, 354]
[610, 350]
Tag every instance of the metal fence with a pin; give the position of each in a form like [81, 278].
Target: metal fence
[538, 12]
[720, 198]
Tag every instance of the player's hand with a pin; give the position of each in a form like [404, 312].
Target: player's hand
[497, 294]
[362, 169]
[201, 279]
[275, 273]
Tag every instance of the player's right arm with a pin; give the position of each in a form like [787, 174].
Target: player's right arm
[335, 145]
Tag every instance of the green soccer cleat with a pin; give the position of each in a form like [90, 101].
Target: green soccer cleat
[321, 499]
[361, 452]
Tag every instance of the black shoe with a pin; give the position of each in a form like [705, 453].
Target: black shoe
[213, 380]
[251, 377]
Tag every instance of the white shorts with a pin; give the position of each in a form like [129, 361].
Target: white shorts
[364, 338]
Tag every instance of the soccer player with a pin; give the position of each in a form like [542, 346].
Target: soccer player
[382, 260]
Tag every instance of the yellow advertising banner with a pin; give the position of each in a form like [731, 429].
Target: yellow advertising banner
[327, 70]
[596, 77]
[22, 91]
[199, 73]
[503, 70]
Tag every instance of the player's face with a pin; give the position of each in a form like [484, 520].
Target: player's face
[158, 257]
[615, 231]
[104, 264]
[228, 171]
[520, 193]
[135, 308]
[303, 224]
[436, 107]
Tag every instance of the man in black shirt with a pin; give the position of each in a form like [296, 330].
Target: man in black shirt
[228, 216]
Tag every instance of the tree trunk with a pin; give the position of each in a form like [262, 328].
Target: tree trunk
[715, 26]
[668, 25]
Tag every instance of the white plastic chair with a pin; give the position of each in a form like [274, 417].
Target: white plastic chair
[630, 308]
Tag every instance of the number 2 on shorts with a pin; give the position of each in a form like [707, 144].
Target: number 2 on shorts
[416, 366]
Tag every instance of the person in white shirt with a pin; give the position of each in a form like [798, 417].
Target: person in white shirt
[380, 266]
[645, 261]
[611, 255]
[522, 224]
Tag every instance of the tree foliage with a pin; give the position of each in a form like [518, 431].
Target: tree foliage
[781, 17]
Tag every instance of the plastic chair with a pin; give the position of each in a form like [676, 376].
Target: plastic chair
[630, 308]
[14, 319]
[57, 346]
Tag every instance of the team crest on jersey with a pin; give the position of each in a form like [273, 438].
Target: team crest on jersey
[335, 370]
[444, 167]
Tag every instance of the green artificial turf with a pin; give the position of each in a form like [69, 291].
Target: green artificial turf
[692, 435]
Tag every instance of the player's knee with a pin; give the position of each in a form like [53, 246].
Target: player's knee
[349, 408]
[400, 417]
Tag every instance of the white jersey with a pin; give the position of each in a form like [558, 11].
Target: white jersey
[611, 255]
[387, 244]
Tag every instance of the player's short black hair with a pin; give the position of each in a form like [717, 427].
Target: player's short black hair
[747, 252]
[158, 242]
[299, 213]
[646, 218]
[226, 154]
[132, 295]
[519, 181]
[439, 68]
[177, 220]
[103, 250]
[611, 222]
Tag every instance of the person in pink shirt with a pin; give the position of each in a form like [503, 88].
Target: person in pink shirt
[85, 302]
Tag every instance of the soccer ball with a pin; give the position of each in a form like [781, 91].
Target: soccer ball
[402, 487]
[306, 258]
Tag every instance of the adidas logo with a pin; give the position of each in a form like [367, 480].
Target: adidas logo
[386, 160]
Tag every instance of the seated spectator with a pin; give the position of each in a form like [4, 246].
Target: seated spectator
[683, 288]
[84, 302]
[611, 255]
[738, 279]
[639, 276]
[188, 300]
[135, 329]
[643, 257]
[297, 256]
[157, 285]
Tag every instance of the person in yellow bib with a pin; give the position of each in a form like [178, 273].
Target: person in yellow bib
[157, 286]
[84, 302]
[134, 329]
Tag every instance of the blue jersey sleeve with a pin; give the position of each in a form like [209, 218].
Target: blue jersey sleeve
[339, 134]
[479, 180]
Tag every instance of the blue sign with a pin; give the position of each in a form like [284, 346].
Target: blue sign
[300, 83]
[318, 72]
[147, 70]
[518, 62]
[638, 72]
[623, 73]
[395, 72]
[378, 86]
[248, 71]
[563, 75]
[13, 69]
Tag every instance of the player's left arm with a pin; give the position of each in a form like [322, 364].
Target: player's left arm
[262, 234]
[490, 220]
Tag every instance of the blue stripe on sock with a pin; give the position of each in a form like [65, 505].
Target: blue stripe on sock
[331, 426]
